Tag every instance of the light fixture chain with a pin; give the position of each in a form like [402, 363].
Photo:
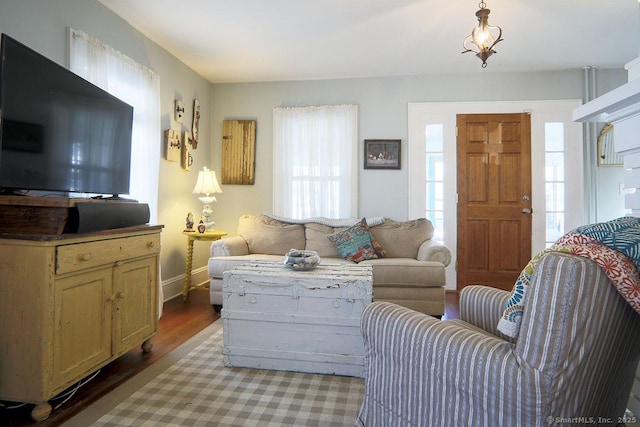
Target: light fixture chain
[482, 5]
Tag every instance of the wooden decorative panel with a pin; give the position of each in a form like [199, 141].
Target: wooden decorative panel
[479, 255]
[135, 322]
[238, 152]
[509, 182]
[510, 241]
[477, 133]
[83, 330]
[477, 177]
[510, 132]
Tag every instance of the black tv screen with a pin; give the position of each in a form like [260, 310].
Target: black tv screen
[59, 132]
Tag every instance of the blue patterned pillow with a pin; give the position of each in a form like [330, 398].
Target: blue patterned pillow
[356, 243]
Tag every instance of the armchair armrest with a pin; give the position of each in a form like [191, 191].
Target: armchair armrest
[229, 246]
[415, 365]
[482, 306]
[431, 250]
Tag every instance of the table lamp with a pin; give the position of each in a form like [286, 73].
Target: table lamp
[207, 184]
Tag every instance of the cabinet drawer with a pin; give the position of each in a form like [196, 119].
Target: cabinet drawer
[79, 256]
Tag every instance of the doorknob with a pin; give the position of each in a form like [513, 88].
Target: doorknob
[526, 211]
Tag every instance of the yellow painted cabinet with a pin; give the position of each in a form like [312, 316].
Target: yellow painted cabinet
[82, 324]
[136, 303]
[70, 304]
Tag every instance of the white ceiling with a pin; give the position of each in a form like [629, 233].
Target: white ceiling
[274, 40]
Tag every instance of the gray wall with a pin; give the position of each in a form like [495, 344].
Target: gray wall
[41, 24]
[382, 114]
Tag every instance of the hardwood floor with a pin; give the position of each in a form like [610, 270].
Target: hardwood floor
[179, 322]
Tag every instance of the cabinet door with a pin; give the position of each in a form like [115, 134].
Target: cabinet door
[82, 325]
[136, 303]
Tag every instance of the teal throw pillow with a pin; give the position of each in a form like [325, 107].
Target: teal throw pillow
[356, 243]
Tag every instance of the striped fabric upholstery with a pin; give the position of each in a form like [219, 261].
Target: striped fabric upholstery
[575, 357]
[483, 306]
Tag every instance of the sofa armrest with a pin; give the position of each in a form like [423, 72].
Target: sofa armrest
[431, 250]
[229, 246]
[482, 306]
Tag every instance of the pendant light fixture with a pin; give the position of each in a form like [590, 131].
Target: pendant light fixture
[483, 37]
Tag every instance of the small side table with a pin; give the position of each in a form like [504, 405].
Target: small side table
[208, 236]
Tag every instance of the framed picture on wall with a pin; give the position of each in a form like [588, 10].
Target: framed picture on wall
[382, 154]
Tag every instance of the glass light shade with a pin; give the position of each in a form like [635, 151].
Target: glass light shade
[483, 37]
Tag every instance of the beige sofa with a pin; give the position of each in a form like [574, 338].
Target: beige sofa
[412, 272]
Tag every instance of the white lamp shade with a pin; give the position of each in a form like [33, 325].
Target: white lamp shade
[207, 183]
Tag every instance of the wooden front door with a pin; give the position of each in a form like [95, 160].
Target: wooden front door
[494, 198]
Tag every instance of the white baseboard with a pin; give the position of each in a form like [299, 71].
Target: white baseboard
[172, 287]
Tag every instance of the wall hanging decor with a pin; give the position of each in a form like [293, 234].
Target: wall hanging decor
[178, 111]
[238, 151]
[382, 154]
[607, 155]
[195, 125]
[187, 158]
[173, 145]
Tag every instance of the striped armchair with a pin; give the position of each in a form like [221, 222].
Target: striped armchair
[574, 360]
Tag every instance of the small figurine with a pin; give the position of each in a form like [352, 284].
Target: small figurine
[189, 221]
[201, 227]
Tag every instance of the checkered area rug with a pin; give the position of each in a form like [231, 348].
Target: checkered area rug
[199, 390]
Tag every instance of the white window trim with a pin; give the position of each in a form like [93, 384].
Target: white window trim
[423, 113]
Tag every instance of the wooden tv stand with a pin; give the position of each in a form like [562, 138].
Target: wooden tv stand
[70, 304]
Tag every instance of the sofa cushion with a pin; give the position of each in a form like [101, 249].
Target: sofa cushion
[316, 239]
[265, 235]
[356, 243]
[401, 239]
[406, 272]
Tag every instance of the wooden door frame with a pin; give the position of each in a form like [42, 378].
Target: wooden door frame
[421, 113]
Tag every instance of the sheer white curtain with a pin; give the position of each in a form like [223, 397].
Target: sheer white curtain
[315, 161]
[138, 86]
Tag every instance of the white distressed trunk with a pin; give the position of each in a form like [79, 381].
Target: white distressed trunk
[305, 321]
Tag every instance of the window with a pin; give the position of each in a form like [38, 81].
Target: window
[139, 87]
[315, 161]
[434, 185]
[554, 181]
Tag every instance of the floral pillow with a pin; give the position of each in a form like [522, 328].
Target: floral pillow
[356, 243]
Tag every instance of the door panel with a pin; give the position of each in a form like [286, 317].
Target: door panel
[509, 258]
[494, 198]
[478, 232]
[478, 184]
[508, 185]
[136, 298]
[82, 322]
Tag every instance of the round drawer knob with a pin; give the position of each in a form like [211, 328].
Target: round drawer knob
[85, 257]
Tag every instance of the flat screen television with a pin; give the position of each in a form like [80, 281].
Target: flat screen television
[59, 132]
